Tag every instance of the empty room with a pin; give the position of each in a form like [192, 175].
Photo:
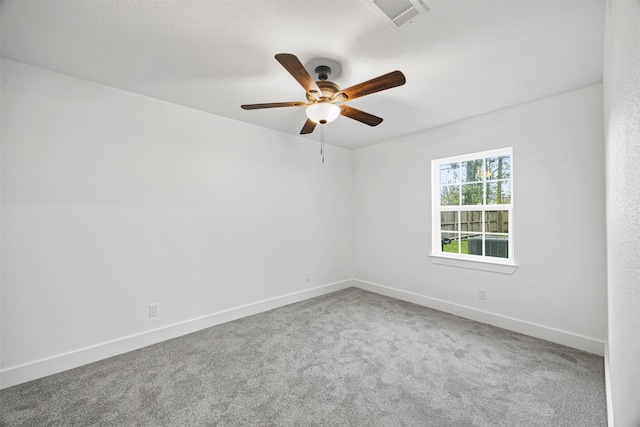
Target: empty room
[320, 213]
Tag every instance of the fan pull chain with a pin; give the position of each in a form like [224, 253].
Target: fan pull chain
[322, 141]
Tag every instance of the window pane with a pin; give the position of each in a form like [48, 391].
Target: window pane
[498, 192]
[496, 246]
[465, 240]
[472, 194]
[496, 222]
[449, 221]
[449, 173]
[498, 167]
[471, 221]
[449, 242]
[449, 195]
[471, 171]
[474, 244]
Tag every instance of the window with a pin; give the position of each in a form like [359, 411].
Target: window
[472, 207]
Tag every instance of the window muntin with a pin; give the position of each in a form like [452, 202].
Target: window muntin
[472, 203]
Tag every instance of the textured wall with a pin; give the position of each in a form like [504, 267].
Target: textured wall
[622, 114]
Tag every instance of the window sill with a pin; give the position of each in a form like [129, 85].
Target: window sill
[474, 265]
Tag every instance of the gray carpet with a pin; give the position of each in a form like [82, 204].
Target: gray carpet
[350, 358]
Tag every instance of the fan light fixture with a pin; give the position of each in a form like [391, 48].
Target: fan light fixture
[326, 101]
[323, 112]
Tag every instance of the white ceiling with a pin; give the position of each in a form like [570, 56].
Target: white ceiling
[461, 59]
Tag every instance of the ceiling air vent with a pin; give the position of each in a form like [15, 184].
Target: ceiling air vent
[398, 12]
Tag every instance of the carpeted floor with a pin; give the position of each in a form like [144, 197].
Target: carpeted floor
[350, 358]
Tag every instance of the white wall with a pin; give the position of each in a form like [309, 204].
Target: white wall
[112, 201]
[622, 117]
[559, 290]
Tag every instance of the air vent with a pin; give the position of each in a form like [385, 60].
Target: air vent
[398, 12]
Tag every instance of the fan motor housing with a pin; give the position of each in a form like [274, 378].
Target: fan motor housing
[328, 89]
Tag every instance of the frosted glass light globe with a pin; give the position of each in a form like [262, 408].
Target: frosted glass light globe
[323, 112]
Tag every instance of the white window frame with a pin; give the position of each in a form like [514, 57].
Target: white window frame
[481, 262]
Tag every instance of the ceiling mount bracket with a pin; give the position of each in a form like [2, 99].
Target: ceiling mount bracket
[323, 72]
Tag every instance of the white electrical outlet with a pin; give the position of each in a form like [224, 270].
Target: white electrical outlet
[482, 294]
[154, 310]
[307, 277]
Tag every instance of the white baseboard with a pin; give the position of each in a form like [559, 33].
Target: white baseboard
[569, 339]
[62, 362]
[607, 386]
[52, 365]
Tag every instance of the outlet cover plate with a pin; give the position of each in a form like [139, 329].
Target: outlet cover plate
[154, 310]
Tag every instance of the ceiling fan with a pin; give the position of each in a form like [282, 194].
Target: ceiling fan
[325, 98]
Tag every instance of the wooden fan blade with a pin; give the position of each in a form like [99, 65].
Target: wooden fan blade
[384, 82]
[272, 105]
[308, 127]
[361, 116]
[292, 64]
